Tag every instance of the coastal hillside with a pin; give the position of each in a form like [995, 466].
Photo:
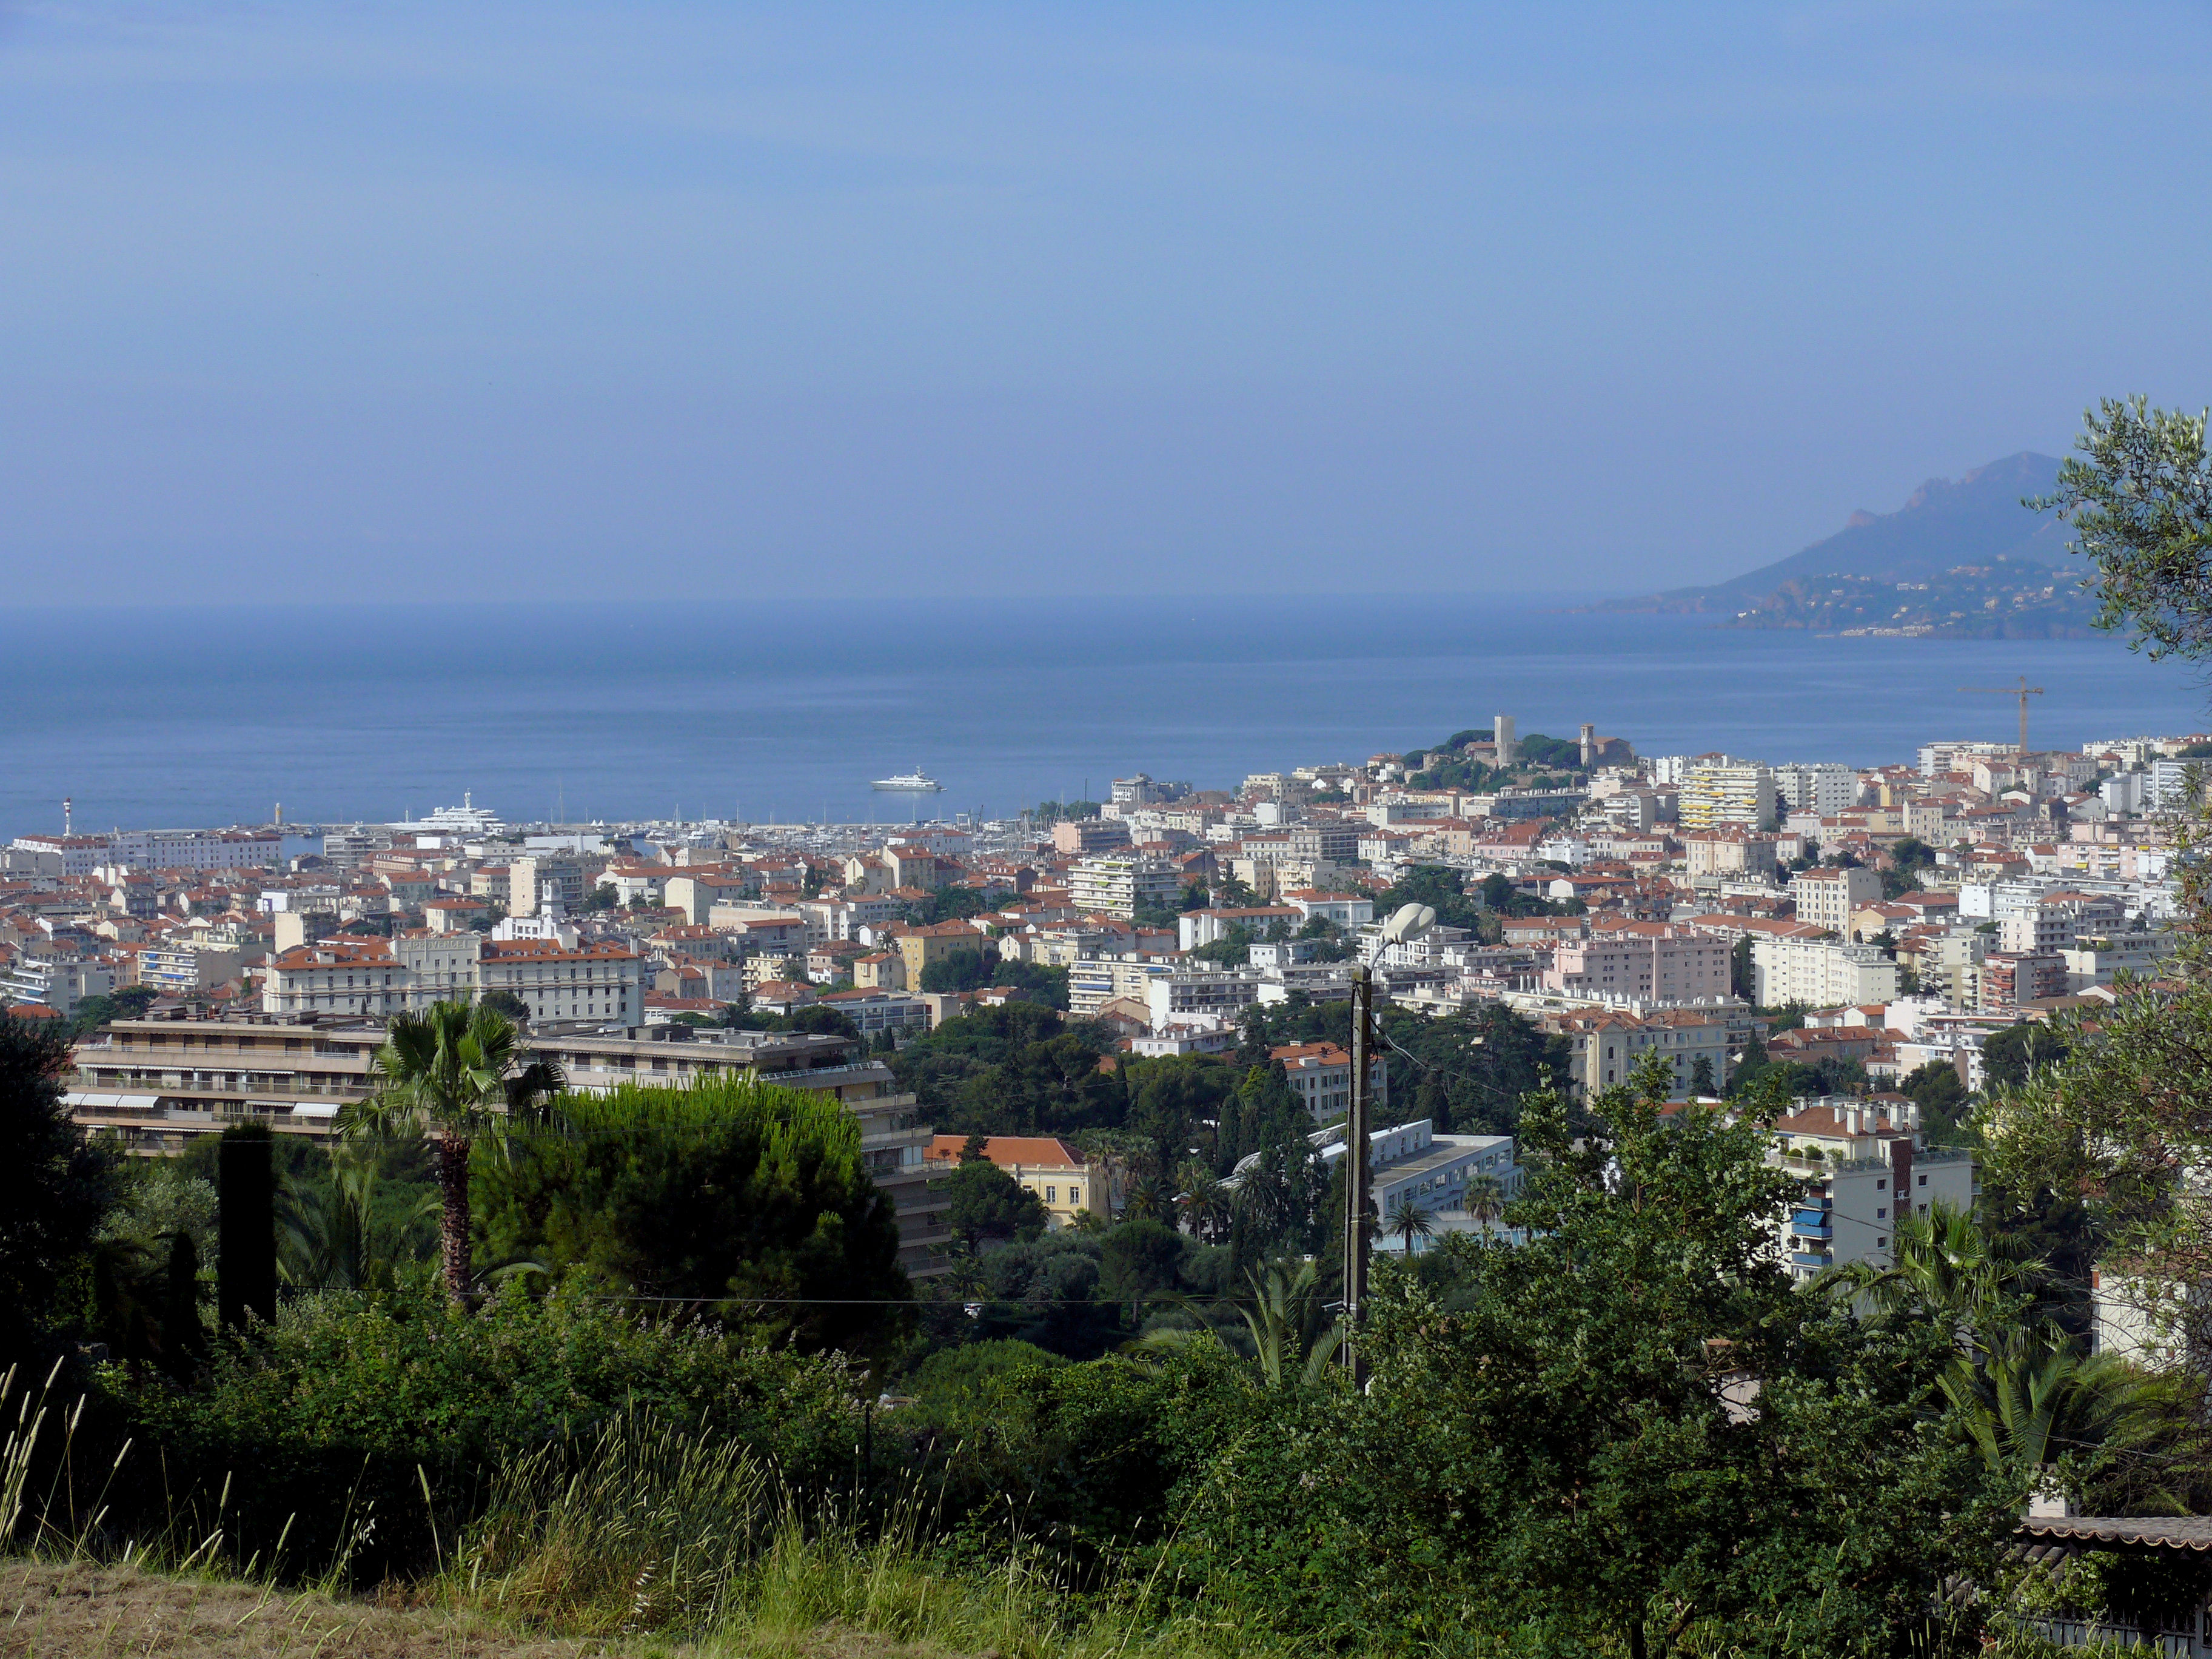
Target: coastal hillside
[1962, 558]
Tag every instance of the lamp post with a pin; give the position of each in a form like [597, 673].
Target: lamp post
[1408, 921]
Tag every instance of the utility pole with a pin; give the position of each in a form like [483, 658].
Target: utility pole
[2023, 691]
[1356, 1178]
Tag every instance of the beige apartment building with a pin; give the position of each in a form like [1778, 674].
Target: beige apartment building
[155, 1083]
[370, 978]
[1828, 899]
[1734, 850]
[1644, 962]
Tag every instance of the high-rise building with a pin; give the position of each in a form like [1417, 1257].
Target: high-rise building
[1739, 792]
[1826, 788]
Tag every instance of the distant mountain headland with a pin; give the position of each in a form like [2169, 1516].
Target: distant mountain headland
[1961, 559]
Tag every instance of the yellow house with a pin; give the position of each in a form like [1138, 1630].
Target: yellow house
[920, 946]
[1066, 1185]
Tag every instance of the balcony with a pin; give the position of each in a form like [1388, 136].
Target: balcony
[1813, 1224]
[1811, 1259]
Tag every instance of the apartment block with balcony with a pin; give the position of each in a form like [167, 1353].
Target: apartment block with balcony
[1819, 973]
[1733, 793]
[1865, 1166]
[1122, 884]
[158, 1083]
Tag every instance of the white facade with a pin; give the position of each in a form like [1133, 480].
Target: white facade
[1862, 1174]
[1119, 884]
[1826, 789]
[1819, 973]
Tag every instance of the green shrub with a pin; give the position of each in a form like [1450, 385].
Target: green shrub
[318, 1425]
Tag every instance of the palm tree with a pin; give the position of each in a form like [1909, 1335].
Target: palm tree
[1947, 1266]
[1148, 1201]
[452, 1071]
[1408, 1221]
[1205, 1202]
[1485, 1199]
[2037, 1395]
[1288, 1324]
[327, 1237]
[1286, 1321]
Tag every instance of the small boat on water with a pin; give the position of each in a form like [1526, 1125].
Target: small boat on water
[916, 783]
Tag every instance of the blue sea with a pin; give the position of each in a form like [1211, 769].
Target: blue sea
[650, 706]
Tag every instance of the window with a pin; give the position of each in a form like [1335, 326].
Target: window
[1924, 1181]
[1879, 1185]
[1881, 1214]
[1052, 1196]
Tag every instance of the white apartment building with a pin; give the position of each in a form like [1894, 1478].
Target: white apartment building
[1119, 884]
[199, 849]
[1643, 963]
[1938, 758]
[1411, 1161]
[1829, 899]
[1094, 981]
[1863, 1173]
[162, 849]
[1741, 793]
[1826, 789]
[1174, 999]
[80, 855]
[1819, 973]
[58, 985]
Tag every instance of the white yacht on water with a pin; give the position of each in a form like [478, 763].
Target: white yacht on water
[916, 783]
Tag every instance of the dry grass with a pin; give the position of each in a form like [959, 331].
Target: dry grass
[60, 1610]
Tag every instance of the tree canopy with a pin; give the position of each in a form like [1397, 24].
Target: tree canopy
[2139, 496]
[753, 1198]
[55, 1186]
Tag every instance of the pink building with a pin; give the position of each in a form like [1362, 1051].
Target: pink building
[1642, 962]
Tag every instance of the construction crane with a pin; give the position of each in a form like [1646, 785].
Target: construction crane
[2023, 691]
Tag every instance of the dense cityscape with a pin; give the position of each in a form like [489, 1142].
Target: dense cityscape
[1879, 930]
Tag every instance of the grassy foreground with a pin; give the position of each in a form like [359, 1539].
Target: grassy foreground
[85, 1610]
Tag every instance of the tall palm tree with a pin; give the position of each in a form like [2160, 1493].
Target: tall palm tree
[1408, 1221]
[1947, 1266]
[1205, 1202]
[453, 1070]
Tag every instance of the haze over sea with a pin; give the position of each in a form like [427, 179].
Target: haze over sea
[202, 717]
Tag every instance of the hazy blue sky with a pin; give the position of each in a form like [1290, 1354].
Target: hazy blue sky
[309, 301]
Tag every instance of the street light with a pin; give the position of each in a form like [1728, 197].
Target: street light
[1408, 923]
